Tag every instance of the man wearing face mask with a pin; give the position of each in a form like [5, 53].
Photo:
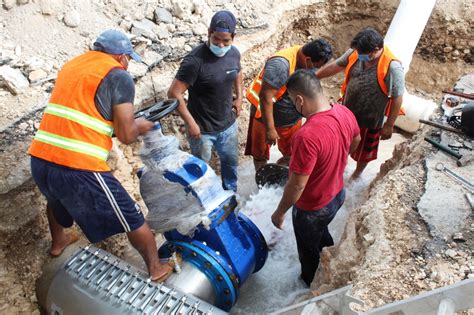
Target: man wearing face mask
[273, 118]
[211, 73]
[92, 99]
[372, 89]
[319, 153]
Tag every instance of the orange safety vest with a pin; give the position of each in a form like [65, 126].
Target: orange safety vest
[253, 91]
[72, 132]
[383, 67]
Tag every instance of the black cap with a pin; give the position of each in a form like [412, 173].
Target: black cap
[223, 21]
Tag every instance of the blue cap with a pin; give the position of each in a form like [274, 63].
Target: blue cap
[116, 43]
[223, 21]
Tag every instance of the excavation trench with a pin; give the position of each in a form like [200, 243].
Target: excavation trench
[385, 204]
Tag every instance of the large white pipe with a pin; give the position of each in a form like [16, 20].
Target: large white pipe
[402, 37]
[406, 28]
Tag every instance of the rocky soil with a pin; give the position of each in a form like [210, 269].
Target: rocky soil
[394, 253]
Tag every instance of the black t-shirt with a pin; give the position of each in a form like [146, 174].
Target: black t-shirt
[116, 88]
[210, 80]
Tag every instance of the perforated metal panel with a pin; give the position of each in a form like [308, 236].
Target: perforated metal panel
[93, 281]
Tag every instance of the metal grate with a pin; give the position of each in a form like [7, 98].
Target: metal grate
[107, 276]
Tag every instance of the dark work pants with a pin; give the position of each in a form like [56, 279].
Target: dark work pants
[312, 234]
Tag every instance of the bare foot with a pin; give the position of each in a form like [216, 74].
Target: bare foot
[162, 272]
[59, 246]
[354, 177]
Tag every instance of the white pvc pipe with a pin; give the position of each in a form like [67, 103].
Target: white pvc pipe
[406, 28]
[402, 38]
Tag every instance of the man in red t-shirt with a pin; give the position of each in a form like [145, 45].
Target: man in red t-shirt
[319, 152]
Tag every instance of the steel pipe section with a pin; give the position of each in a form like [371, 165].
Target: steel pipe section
[92, 281]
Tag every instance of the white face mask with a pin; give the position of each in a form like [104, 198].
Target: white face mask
[218, 51]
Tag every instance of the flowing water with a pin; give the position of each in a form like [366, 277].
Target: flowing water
[277, 284]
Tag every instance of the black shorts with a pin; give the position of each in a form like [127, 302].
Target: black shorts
[96, 201]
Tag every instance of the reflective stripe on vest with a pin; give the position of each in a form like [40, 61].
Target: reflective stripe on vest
[72, 132]
[72, 145]
[252, 93]
[255, 94]
[80, 118]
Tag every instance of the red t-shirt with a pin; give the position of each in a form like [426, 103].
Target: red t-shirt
[320, 149]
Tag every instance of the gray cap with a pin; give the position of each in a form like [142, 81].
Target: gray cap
[116, 43]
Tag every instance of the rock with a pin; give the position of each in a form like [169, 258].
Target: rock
[198, 7]
[163, 16]
[151, 57]
[22, 1]
[37, 75]
[12, 79]
[441, 273]
[199, 29]
[458, 237]
[49, 7]
[181, 9]
[18, 50]
[139, 15]
[8, 4]
[450, 253]
[136, 69]
[144, 28]
[126, 25]
[72, 18]
[447, 49]
[369, 238]
[421, 275]
[171, 28]
[162, 31]
[150, 12]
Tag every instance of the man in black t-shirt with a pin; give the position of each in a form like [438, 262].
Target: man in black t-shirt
[210, 73]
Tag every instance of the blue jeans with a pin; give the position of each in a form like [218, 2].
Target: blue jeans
[226, 144]
[312, 234]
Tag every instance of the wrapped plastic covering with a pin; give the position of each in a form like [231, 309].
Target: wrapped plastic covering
[179, 189]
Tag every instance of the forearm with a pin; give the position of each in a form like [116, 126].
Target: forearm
[329, 70]
[394, 110]
[290, 196]
[127, 135]
[182, 107]
[184, 112]
[127, 128]
[267, 112]
[238, 87]
[354, 144]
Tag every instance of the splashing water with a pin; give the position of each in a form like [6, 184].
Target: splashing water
[277, 284]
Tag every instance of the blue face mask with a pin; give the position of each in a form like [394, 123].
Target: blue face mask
[218, 51]
[363, 57]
